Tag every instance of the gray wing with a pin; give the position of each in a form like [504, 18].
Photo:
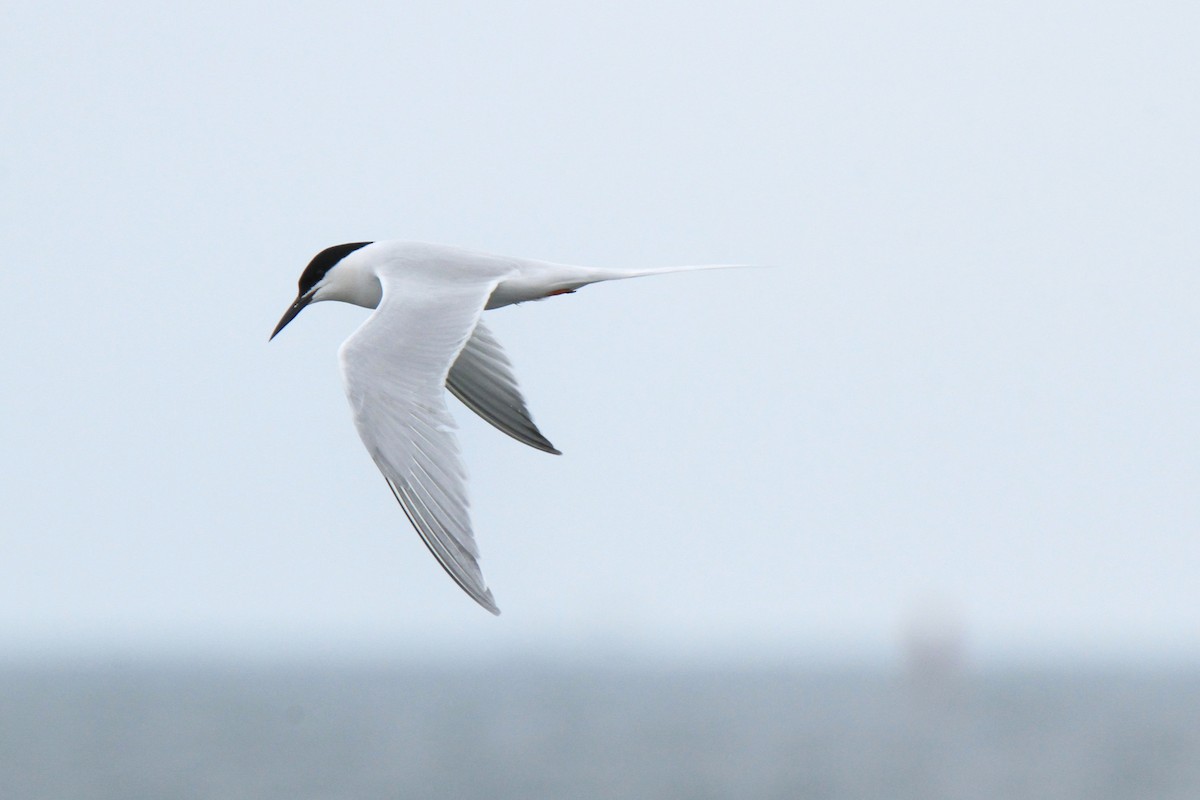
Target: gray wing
[395, 368]
[482, 378]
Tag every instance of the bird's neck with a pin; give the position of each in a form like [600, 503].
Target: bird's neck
[353, 283]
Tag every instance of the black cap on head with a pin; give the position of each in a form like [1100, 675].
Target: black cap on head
[322, 262]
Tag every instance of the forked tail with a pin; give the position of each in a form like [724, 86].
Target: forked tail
[539, 279]
[598, 275]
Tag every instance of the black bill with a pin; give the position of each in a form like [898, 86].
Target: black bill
[291, 313]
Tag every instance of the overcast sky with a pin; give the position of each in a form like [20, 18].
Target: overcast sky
[965, 387]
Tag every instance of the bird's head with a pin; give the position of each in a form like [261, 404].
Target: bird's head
[322, 280]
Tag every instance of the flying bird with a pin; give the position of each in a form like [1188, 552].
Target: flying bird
[424, 337]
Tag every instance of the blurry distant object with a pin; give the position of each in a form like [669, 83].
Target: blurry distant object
[934, 645]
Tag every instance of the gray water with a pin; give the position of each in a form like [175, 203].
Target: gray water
[518, 731]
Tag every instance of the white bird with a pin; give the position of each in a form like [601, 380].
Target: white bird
[426, 336]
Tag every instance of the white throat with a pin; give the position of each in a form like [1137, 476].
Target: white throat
[351, 281]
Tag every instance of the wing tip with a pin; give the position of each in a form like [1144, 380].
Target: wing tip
[522, 428]
[481, 595]
[490, 605]
[534, 439]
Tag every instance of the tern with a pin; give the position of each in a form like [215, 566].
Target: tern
[425, 336]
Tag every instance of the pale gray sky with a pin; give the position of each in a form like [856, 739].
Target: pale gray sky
[968, 381]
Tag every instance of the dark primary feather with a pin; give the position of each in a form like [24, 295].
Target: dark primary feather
[482, 378]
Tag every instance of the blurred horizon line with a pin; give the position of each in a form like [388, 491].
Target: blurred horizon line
[596, 655]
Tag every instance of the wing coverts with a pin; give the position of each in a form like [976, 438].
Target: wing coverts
[395, 369]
